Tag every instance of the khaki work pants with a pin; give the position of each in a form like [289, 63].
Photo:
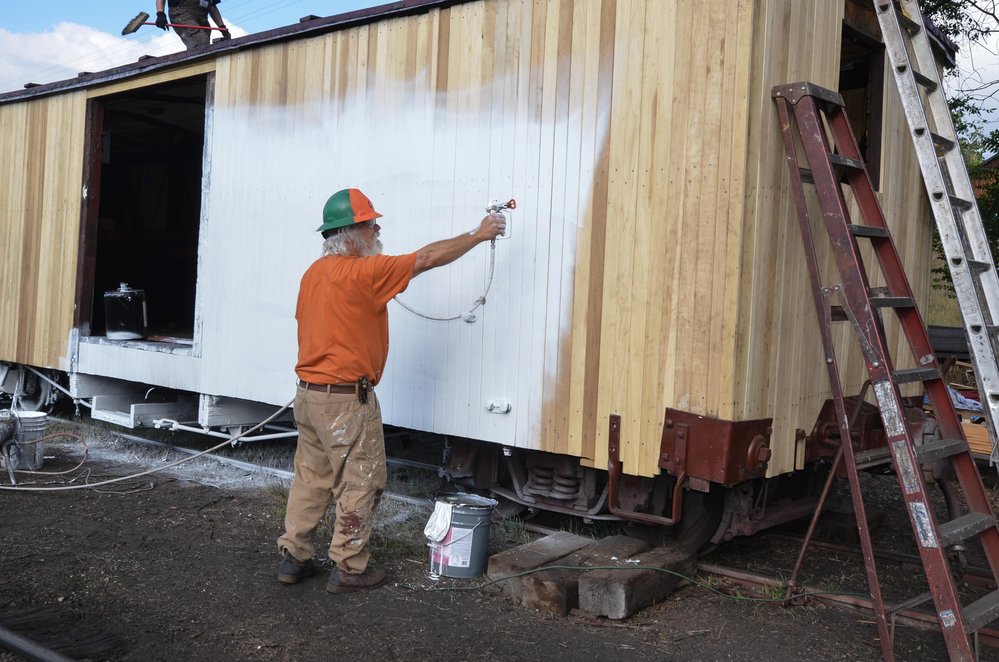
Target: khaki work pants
[340, 456]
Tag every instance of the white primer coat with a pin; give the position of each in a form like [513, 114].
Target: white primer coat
[430, 174]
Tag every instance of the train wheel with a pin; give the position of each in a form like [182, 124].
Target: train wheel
[33, 393]
[702, 514]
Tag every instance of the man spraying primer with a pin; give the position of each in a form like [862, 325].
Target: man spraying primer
[342, 348]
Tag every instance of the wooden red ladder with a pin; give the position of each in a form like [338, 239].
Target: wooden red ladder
[815, 119]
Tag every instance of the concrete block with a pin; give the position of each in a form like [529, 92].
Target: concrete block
[618, 594]
[557, 591]
[542, 551]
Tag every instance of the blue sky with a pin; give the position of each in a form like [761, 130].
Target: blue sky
[252, 15]
[56, 39]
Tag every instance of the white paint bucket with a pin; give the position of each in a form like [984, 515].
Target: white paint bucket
[463, 549]
[25, 455]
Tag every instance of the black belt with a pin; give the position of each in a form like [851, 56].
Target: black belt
[329, 388]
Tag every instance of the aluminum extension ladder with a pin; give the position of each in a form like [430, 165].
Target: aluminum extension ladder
[951, 194]
[807, 112]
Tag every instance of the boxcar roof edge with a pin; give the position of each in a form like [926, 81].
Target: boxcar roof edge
[295, 31]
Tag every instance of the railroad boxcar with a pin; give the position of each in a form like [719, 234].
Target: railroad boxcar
[654, 268]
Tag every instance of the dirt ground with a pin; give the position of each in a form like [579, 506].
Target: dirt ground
[182, 566]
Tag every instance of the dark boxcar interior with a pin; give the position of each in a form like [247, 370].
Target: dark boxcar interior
[151, 151]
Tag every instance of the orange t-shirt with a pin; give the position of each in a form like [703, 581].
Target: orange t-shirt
[342, 316]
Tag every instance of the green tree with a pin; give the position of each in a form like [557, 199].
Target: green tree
[963, 19]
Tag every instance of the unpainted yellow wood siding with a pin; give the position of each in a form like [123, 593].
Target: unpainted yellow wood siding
[41, 183]
[674, 220]
[780, 364]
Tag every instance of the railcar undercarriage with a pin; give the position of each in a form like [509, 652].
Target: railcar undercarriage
[711, 488]
[693, 499]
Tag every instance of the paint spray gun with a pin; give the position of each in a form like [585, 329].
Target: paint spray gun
[497, 207]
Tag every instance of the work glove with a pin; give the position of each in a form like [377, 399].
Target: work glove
[161, 20]
[225, 34]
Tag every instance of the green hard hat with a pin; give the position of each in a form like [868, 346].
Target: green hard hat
[346, 207]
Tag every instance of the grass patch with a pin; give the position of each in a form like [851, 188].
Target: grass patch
[398, 532]
[508, 532]
[943, 308]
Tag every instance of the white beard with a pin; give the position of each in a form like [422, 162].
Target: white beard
[372, 248]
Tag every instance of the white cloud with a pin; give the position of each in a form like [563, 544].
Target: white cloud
[69, 48]
[978, 73]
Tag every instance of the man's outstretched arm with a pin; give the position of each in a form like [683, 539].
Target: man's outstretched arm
[447, 251]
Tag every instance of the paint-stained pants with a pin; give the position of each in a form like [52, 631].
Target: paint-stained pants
[340, 456]
[192, 38]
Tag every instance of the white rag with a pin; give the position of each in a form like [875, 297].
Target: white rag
[439, 523]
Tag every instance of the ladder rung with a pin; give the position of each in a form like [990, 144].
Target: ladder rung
[915, 375]
[964, 528]
[838, 314]
[846, 162]
[938, 449]
[873, 458]
[867, 231]
[981, 612]
[907, 23]
[978, 266]
[911, 602]
[961, 203]
[893, 302]
[925, 81]
[943, 144]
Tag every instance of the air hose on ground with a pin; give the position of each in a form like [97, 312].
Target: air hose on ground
[87, 486]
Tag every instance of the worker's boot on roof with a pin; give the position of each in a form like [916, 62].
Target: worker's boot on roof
[341, 582]
[292, 571]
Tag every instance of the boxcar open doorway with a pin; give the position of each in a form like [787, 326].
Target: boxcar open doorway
[145, 165]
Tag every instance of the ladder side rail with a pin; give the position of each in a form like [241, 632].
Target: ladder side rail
[824, 318]
[925, 150]
[808, 240]
[844, 246]
[971, 219]
[891, 265]
[976, 323]
[976, 242]
[899, 438]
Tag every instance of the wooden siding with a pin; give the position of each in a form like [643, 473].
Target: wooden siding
[654, 261]
[780, 368]
[627, 157]
[40, 192]
[675, 209]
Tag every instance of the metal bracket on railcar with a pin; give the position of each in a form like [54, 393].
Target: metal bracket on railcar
[614, 480]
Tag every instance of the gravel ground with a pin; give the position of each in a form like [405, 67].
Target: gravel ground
[180, 565]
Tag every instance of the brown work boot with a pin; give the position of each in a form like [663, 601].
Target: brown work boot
[292, 571]
[341, 582]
